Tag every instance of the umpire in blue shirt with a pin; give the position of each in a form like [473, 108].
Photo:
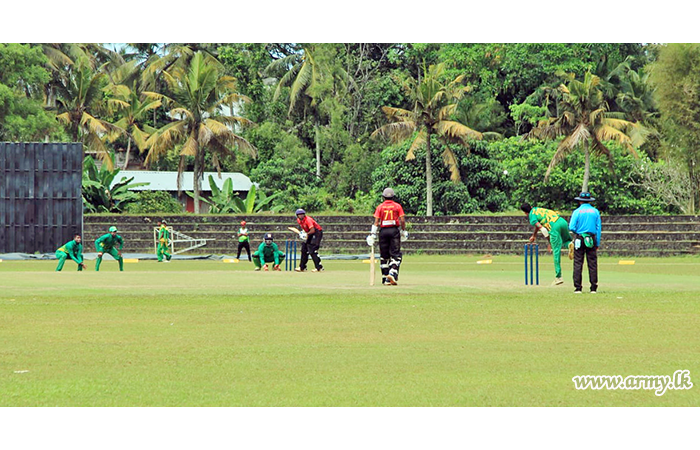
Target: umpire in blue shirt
[585, 226]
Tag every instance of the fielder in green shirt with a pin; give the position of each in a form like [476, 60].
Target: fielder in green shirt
[106, 244]
[72, 250]
[268, 252]
[555, 227]
[163, 242]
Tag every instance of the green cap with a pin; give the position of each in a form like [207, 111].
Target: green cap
[112, 229]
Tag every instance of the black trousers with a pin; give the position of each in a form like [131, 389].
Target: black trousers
[390, 250]
[591, 255]
[244, 245]
[310, 248]
[390, 243]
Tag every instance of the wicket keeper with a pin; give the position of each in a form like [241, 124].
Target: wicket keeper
[311, 234]
[163, 242]
[268, 252]
[105, 244]
[73, 250]
[553, 226]
[390, 223]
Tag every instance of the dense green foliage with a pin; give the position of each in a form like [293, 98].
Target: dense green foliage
[100, 192]
[501, 175]
[149, 202]
[22, 79]
[225, 200]
[297, 118]
[676, 76]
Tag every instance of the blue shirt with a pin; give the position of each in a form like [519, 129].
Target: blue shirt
[586, 219]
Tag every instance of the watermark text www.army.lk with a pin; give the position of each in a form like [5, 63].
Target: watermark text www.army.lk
[680, 380]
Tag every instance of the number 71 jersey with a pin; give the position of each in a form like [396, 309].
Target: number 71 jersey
[388, 214]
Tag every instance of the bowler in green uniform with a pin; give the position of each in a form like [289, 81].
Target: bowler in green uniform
[552, 225]
[163, 242]
[73, 250]
[268, 252]
[106, 244]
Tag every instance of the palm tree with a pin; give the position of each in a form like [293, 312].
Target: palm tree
[197, 94]
[61, 57]
[585, 122]
[434, 103]
[133, 106]
[79, 101]
[305, 77]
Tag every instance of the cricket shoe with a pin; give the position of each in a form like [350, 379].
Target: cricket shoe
[257, 269]
[594, 292]
[318, 270]
[391, 278]
[558, 281]
[577, 291]
[571, 250]
[299, 269]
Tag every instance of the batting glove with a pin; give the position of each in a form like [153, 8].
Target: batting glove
[371, 239]
[303, 235]
[404, 235]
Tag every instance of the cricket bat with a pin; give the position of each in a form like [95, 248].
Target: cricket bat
[371, 267]
[294, 230]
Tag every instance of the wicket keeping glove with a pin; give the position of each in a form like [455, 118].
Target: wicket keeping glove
[404, 235]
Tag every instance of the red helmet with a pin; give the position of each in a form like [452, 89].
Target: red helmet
[243, 223]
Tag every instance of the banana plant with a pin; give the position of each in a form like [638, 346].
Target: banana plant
[225, 201]
[99, 192]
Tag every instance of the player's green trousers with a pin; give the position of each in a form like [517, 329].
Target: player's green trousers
[257, 259]
[559, 238]
[162, 251]
[62, 256]
[115, 255]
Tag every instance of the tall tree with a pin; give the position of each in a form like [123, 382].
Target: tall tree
[309, 80]
[676, 75]
[197, 94]
[585, 122]
[22, 79]
[434, 103]
[80, 103]
[132, 106]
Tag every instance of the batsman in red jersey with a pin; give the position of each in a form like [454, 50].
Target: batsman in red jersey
[390, 222]
[311, 234]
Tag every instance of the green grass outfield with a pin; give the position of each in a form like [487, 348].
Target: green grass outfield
[454, 333]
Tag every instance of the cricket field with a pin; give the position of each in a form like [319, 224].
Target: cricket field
[453, 333]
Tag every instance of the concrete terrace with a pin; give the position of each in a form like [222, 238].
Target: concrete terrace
[622, 235]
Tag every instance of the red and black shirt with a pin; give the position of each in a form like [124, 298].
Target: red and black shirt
[388, 214]
[307, 223]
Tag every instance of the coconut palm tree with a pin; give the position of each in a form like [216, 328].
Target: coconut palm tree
[132, 106]
[434, 103]
[586, 123]
[79, 103]
[306, 77]
[196, 95]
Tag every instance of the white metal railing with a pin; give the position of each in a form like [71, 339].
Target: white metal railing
[189, 243]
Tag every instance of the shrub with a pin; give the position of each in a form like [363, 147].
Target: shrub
[149, 202]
